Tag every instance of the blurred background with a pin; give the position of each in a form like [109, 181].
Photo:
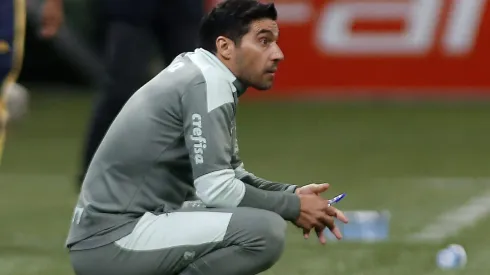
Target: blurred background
[388, 101]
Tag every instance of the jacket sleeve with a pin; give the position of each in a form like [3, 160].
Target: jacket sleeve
[208, 116]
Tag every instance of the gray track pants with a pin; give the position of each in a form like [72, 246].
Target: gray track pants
[199, 241]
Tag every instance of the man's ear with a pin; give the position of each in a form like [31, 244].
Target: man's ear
[225, 47]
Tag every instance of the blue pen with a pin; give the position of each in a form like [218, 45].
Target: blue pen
[336, 199]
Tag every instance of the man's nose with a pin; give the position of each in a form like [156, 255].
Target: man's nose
[277, 54]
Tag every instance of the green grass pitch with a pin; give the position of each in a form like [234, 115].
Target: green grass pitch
[416, 160]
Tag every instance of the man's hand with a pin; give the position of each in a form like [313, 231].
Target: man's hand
[316, 214]
[333, 213]
[52, 18]
[314, 189]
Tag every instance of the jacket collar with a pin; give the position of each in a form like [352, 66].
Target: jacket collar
[229, 76]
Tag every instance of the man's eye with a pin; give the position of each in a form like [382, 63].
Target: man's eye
[264, 41]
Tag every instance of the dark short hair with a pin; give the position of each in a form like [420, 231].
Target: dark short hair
[232, 19]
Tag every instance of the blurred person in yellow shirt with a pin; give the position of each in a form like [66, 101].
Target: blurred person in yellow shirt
[12, 36]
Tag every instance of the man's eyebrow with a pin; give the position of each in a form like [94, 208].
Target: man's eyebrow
[265, 31]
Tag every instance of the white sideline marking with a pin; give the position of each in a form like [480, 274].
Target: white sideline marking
[452, 222]
[440, 181]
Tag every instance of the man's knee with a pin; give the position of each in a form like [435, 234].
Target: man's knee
[265, 233]
[270, 225]
[273, 229]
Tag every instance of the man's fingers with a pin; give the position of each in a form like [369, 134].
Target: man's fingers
[336, 232]
[341, 216]
[321, 236]
[334, 229]
[322, 187]
[319, 233]
[334, 212]
[306, 233]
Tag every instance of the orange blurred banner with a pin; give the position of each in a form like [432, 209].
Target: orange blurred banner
[386, 47]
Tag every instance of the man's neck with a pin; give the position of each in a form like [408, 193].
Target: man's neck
[239, 84]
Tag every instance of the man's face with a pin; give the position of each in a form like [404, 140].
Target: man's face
[258, 55]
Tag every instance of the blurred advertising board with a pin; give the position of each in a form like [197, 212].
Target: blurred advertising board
[383, 47]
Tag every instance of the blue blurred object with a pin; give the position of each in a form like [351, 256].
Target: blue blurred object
[364, 226]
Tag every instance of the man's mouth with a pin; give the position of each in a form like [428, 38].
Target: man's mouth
[271, 71]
